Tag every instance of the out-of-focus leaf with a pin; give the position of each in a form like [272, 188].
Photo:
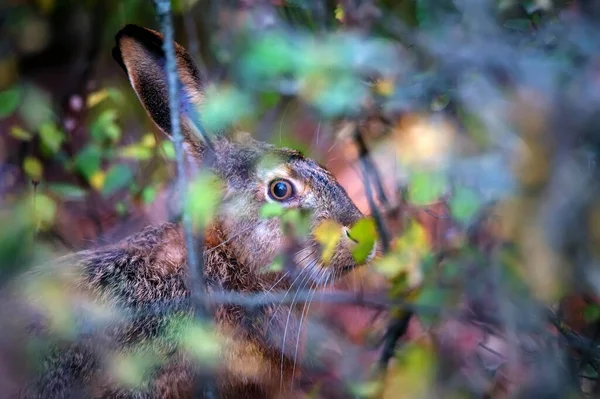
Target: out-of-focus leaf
[224, 107]
[168, 148]
[135, 151]
[20, 134]
[328, 234]
[33, 167]
[52, 137]
[148, 141]
[201, 341]
[411, 375]
[203, 198]
[432, 297]
[67, 191]
[425, 188]
[464, 204]
[9, 101]
[104, 126]
[591, 313]
[365, 233]
[370, 389]
[36, 108]
[271, 209]
[96, 98]
[335, 95]
[270, 56]
[408, 252]
[121, 208]
[87, 161]
[299, 220]
[384, 87]
[45, 210]
[133, 369]
[149, 194]
[276, 265]
[117, 178]
[46, 5]
[97, 179]
[339, 13]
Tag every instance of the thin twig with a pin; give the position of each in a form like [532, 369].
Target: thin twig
[195, 267]
[380, 224]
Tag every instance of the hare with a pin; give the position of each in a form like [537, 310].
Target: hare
[149, 269]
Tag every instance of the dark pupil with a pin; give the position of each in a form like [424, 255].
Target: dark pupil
[280, 190]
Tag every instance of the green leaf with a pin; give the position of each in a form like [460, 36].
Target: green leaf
[45, 210]
[275, 266]
[105, 127]
[270, 56]
[434, 298]
[20, 134]
[299, 220]
[425, 188]
[224, 107]
[149, 194]
[117, 178]
[87, 161]
[201, 341]
[33, 167]
[365, 233]
[36, 108]
[271, 209]
[591, 313]
[9, 101]
[464, 204]
[67, 191]
[342, 94]
[203, 199]
[168, 148]
[52, 137]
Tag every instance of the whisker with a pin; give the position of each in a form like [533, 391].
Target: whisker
[231, 238]
[286, 327]
[305, 310]
[285, 296]
[275, 284]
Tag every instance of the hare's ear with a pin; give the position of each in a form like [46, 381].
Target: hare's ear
[139, 51]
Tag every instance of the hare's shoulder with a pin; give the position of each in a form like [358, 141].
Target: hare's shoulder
[148, 265]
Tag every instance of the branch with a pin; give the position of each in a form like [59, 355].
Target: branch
[366, 170]
[197, 285]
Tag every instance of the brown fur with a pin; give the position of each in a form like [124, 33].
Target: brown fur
[145, 274]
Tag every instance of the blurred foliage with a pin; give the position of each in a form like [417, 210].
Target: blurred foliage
[479, 81]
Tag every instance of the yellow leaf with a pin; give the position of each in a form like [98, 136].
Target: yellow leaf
[407, 254]
[411, 375]
[339, 13]
[33, 167]
[97, 180]
[384, 87]
[149, 141]
[96, 98]
[46, 5]
[327, 233]
[20, 134]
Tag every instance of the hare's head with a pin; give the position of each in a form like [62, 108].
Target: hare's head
[253, 173]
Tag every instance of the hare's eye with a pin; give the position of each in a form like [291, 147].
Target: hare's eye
[280, 190]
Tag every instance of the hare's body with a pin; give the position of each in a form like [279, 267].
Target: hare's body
[146, 275]
[145, 278]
